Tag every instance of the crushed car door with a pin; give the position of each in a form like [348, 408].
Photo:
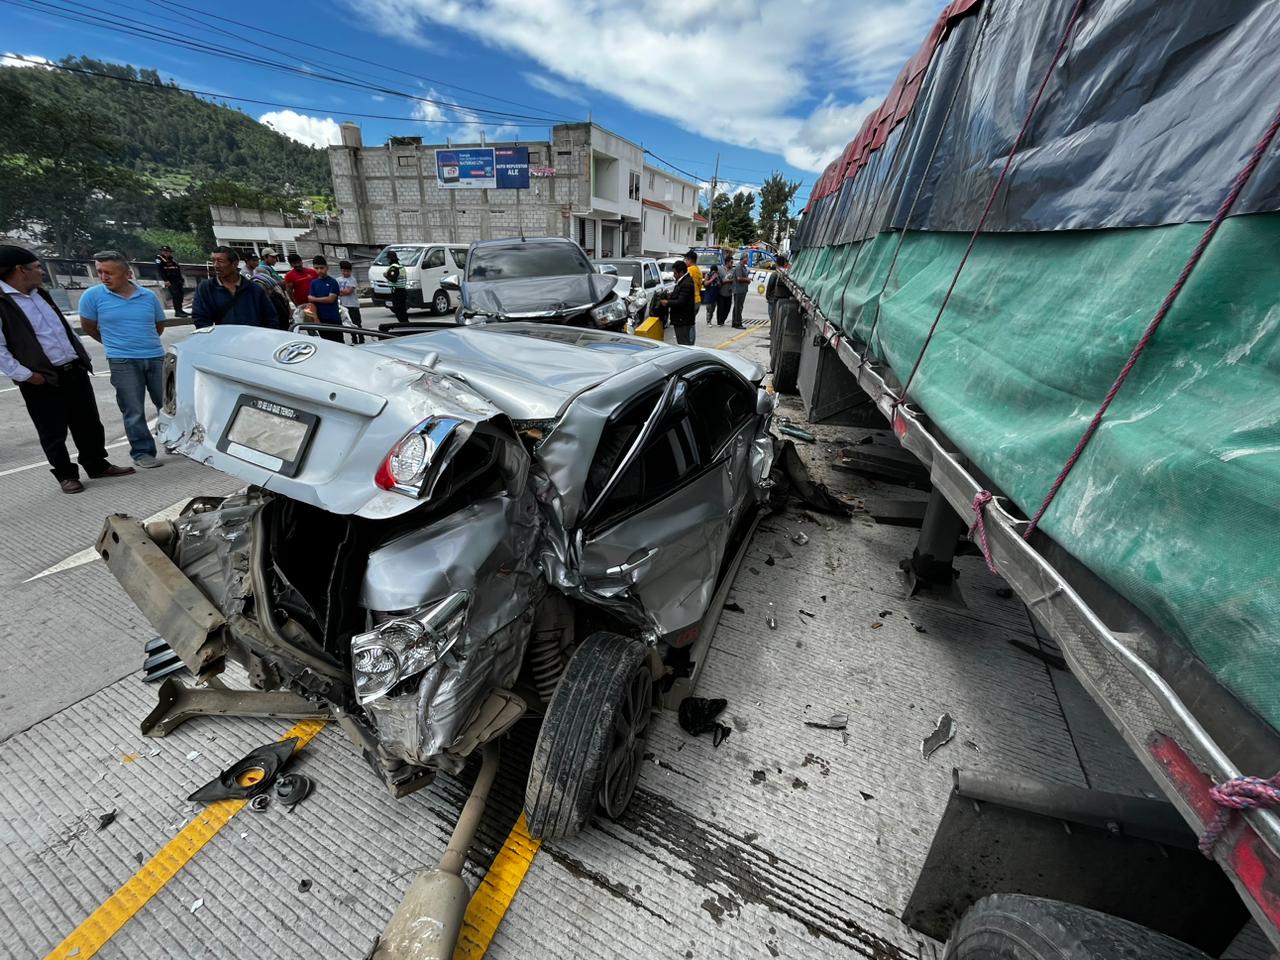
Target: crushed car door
[658, 527]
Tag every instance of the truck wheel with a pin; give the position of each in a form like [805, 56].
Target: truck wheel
[592, 740]
[1009, 926]
[786, 375]
[440, 303]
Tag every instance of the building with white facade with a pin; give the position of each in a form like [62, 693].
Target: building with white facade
[668, 225]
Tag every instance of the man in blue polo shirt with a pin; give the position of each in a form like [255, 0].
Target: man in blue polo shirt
[128, 320]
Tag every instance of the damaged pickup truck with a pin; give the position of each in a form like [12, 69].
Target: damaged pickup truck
[444, 532]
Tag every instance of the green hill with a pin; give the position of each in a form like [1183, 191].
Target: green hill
[91, 161]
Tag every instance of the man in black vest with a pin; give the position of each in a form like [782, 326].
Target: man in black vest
[43, 356]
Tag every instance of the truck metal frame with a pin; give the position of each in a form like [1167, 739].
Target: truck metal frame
[1187, 730]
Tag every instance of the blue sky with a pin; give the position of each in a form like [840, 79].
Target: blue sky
[765, 85]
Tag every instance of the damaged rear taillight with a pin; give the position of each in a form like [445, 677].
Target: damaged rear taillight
[408, 467]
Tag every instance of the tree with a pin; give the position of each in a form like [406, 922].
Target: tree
[59, 171]
[731, 214]
[776, 195]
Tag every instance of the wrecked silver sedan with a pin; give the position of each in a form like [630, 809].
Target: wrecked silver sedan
[444, 532]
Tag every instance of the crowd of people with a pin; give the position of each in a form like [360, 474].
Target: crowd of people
[721, 288]
[43, 355]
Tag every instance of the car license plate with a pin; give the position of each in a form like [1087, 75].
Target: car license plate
[269, 434]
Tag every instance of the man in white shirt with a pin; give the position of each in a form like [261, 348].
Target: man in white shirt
[43, 356]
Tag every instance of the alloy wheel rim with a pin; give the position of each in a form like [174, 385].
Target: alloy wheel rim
[627, 738]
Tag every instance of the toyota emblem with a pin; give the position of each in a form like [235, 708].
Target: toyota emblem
[295, 352]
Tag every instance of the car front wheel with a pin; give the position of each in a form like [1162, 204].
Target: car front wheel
[440, 303]
[593, 736]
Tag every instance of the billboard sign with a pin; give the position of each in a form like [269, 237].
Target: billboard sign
[512, 168]
[470, 169]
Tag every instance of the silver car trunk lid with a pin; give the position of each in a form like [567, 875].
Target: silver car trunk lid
[342, 408]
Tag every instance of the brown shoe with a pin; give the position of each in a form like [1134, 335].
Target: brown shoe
[112, 471]
[71, 486]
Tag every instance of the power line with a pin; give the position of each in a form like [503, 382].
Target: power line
[386, 68]
[222, 96]
[144, 32]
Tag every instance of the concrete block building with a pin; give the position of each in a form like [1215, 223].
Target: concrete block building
[585, 183]
[670, 217]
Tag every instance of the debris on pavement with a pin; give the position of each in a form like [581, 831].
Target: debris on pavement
[260, 803]
[800, 539]
[196, 904]
[791, 478]
[304, 885]
[106, 819]
[785, 427]
[771, 617]
[733, 608]
[941, 736]
[161, 661]
[293, 788]
[193, 755]
[757, 776]
[697, 715]
[837, 721]
[255, 773]
[806, 613]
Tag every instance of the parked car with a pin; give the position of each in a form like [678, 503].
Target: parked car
[664, 268]
[639, 281]
[443, 532]
[540, 278]
[425, 265]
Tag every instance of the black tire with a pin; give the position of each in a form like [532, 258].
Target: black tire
[786, 375]
[440, 303]
[1009, 926]
[591, 744]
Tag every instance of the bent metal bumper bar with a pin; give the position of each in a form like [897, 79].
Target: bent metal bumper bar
[193, 627]
[1172, 744]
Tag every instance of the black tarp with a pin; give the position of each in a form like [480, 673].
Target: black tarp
[1148, 116]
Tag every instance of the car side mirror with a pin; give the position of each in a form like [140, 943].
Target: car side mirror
[608, 268]
[765, 402]
[450, 282]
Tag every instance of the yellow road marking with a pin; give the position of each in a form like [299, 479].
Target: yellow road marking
[101, 925]
[496, 891]
[738, 336]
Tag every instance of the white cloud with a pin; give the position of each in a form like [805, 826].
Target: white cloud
[313, 131]
[464, 126]
[24, 60]
[732, 70]
[561, 91]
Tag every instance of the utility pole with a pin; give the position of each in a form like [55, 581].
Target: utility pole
[711, 204]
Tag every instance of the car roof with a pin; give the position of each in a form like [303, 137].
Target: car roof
[534, 378]
[512, 241]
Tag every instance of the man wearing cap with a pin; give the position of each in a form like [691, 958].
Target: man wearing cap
[41, 354]
[171, 274]
[265, 276]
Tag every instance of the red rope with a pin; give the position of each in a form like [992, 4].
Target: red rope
[1242, 793]
[1004, 173]
[1242, 178]
[979, 528]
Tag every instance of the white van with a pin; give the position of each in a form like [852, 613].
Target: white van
[425, 265]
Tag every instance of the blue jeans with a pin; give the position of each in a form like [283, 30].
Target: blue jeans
[134, 380]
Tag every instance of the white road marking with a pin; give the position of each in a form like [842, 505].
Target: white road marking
[101, 373]
[151, 425]
[88, 555]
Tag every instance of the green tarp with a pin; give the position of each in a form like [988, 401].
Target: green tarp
[1176, 501]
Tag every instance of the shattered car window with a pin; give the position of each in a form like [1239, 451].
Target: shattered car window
[616, 440]
[719, 404]
[512, 262]
[669, 456]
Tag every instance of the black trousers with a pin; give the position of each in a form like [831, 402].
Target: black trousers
[722, 309]
[400, 304]
[177, 291]
[69, 406]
